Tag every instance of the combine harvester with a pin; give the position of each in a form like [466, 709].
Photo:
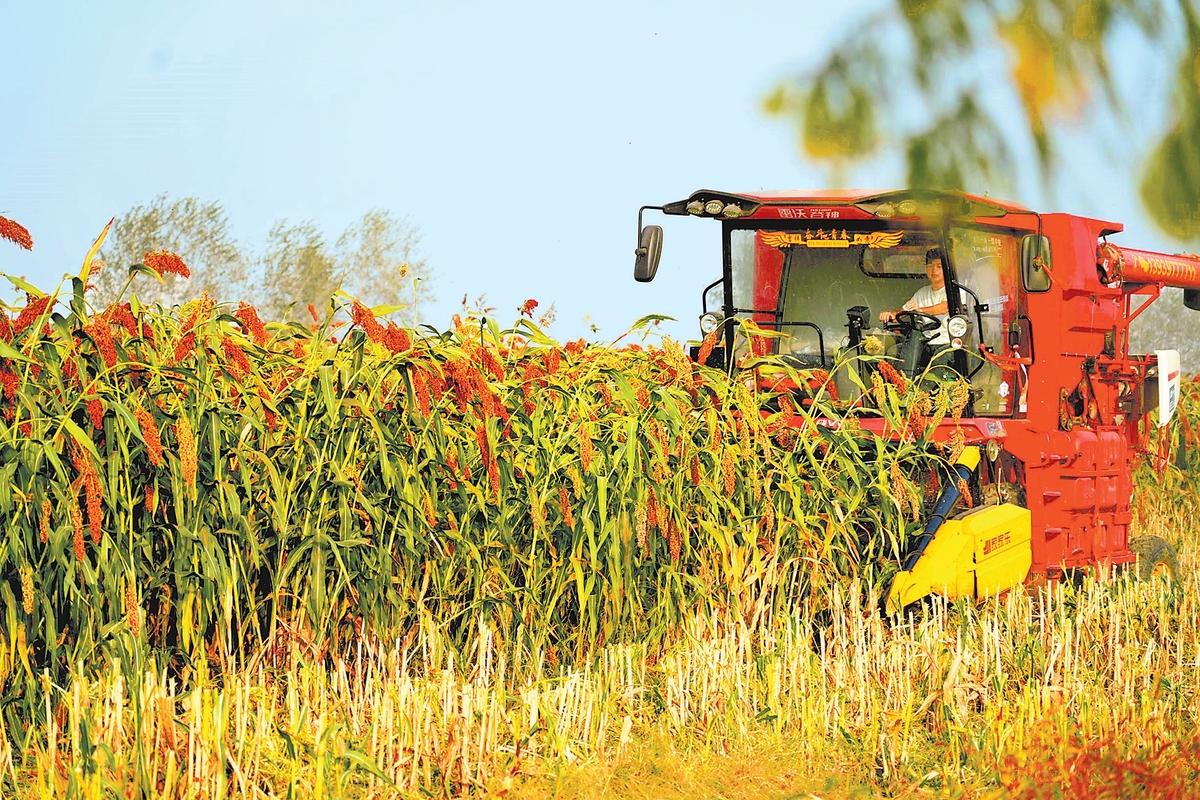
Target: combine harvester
[1058, 409]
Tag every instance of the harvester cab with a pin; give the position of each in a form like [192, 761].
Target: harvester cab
[1026, 315]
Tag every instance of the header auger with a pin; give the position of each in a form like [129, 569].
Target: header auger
[1031, 310]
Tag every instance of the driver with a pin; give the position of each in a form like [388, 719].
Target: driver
[930, 299]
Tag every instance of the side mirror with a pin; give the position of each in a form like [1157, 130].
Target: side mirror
[1035, 263]
[648, 253]
[1191, 299]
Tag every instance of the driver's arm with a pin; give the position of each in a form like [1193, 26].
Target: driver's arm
[933, 310]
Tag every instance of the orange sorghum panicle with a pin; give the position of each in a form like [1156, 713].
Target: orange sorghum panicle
[164, 262]
[960, 393]
[421, 390]
[535, 510]
[696, 470]
[786, 405]
[238, 364]
[706, 347]
[27, 589]
[651, 508]
[187, 449]
[186, 346]
[16, 233]
[893, 376]
[34, 307]
[492, 364]
[643, 396]
[564, 501]
[463, 383]
[396, 338]
[44, 522]
[642, 529]
[586, 451]
[11, 383]
[133, 614]
[150, 495]
[494, 475]
[252, 326]
[553, 359]
[101, 335]
[122, 314]
[430, 516]
[481, 439]
[96, 411]
[958, 443]
[899, 490]
[150, 434]
[94, 508]
[660, 433]
[965, 490]
[727, 463]
[364, 318]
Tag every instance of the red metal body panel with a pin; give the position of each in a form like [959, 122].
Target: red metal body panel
[1078, 482]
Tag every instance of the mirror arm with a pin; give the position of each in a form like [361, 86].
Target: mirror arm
[704, 294]
[640, 210]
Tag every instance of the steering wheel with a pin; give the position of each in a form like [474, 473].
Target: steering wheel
[917, 321]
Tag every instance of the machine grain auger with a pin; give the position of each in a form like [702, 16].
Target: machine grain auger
[1032, 309]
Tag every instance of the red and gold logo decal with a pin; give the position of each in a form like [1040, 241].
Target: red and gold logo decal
[832, 238]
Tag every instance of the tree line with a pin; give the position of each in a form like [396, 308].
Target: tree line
[376, 259]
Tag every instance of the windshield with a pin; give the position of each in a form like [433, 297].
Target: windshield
[825, 290]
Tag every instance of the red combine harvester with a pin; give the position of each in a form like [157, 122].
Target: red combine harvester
[1033, 310]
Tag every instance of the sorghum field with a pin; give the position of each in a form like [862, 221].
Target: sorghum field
[355, 560]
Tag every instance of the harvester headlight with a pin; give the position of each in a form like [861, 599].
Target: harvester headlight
[709, 322]
[956, 343]
[957, 326]
[907, 208]
[733, 211]
[695, 207]
[885, 211]
[713, 207]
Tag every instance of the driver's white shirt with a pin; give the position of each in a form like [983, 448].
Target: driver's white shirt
[927, 296]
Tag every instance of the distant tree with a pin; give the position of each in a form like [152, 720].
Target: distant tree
[297, 268]
[378, 263]
[375, 259]
[195, 230]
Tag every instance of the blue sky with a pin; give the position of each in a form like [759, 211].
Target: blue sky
[520, 138]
